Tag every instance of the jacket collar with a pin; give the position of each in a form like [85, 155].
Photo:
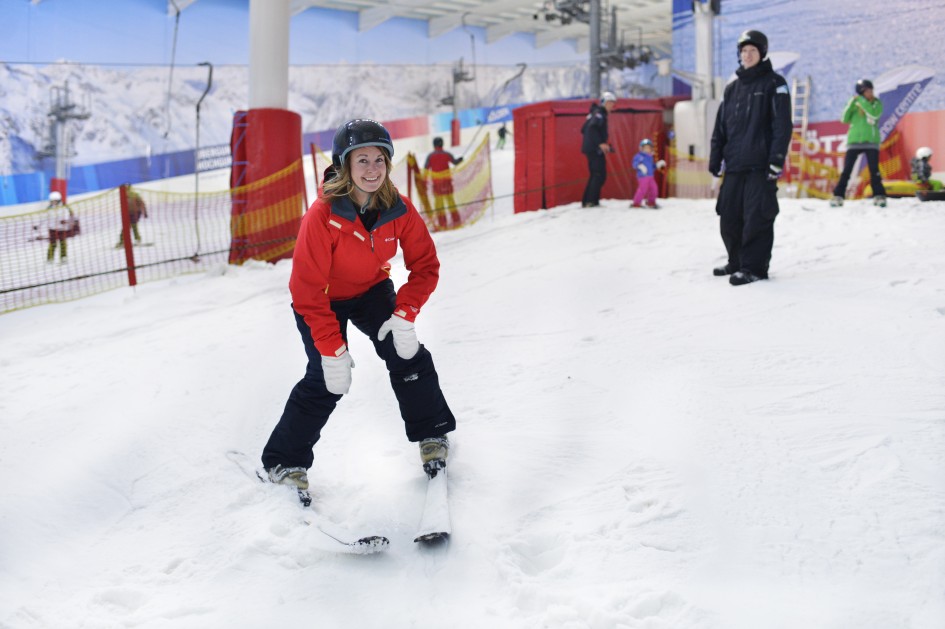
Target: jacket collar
[752, 73]
[346, 209]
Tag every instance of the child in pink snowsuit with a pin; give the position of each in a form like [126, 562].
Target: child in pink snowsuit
[646, 171]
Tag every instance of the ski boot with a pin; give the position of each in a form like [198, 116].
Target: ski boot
[433, 453]
[296, 477]
[836, 202]
[879, 201]
[292, 476]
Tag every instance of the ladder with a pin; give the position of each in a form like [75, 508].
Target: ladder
[800, 106]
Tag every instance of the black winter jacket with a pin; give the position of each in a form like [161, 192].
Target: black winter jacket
[753, 126]
[594, 130]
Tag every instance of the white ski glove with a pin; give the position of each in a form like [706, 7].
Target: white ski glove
[661, 164]
[644, 171]
[337, 371]
[405, 336]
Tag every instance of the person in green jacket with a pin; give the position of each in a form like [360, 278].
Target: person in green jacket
[862, 114]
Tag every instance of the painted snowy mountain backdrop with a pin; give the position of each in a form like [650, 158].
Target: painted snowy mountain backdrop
[132, 115]
[835, 43]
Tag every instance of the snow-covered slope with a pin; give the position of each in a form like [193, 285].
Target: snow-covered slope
[639, 444]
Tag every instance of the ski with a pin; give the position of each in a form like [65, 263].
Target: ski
[435, 522]
[336, 537]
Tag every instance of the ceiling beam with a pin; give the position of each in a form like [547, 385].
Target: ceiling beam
[298, 6]
[499, 18]
[375, 16]
[173, 6]
[550, 36]
[445, 23]
[498, 31]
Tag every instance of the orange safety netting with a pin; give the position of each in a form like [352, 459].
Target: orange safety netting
[472, 190]
[266, 216]
[688, 177]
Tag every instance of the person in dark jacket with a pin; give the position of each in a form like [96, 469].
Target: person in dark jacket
[341, 273]
[749, 142]
[502, 133]
[595, 147]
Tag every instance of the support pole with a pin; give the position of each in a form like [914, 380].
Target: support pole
[126, 235]
[595, 49]
[704, 19]
[269, 54]
[265, 218]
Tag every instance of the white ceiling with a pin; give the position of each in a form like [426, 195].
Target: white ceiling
[647, 22]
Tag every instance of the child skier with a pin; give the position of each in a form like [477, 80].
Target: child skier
[646, 175]
[922, 170]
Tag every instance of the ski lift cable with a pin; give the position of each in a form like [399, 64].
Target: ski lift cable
[196, 255]
[170, 78]
[472, 43]
[499, 92]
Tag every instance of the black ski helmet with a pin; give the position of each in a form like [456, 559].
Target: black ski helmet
[862, 85]
[756, 39]
[359, 132]
[438, 142]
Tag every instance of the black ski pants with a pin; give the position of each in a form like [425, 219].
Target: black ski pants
[747, 206]
[415, 383]
[872, 162]
[597, 167]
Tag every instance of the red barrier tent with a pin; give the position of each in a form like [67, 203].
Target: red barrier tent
[550, 169]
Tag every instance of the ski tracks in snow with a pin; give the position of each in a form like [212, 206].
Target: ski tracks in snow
[632, 524]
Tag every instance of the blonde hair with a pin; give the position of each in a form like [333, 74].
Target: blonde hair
[341, 185]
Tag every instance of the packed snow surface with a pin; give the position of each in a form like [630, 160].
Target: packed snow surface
[639, 443]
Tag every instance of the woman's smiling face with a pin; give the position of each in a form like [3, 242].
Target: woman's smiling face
[368, 171]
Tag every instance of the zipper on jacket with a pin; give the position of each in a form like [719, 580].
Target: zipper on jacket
[371, 234]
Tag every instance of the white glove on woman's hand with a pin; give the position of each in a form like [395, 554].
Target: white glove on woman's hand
[405, 336]
[337, 371]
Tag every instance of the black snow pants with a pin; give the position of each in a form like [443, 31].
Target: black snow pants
[597, 167]
[415, 383]
[747, 206]
[872, 163]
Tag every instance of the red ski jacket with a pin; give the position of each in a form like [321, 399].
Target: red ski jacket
[337, 258]
[438, 162]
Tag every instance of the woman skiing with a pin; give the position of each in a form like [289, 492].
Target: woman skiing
[341, 274]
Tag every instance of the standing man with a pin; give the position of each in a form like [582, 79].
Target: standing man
[862, 114]
[751, 138]
[595, 147]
